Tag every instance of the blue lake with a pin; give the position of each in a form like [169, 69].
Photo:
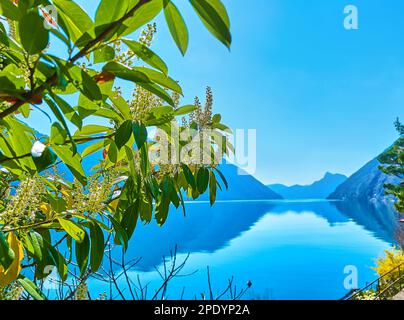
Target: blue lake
[288, 250]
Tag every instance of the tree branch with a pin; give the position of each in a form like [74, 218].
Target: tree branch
[79, 55]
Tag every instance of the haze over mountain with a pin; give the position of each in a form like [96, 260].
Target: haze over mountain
[317, 190]
[242, 186]
[367, 184]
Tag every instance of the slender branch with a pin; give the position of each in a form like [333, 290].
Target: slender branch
[34, 225]
[107, 31]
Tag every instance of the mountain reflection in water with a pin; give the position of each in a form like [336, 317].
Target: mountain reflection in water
[288, 249]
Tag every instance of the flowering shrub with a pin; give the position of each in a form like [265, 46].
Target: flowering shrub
[42, 208]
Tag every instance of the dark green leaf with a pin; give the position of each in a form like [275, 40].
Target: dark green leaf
[47, 159]
[202, 179]
[97, 246]
[121, 238]
[223, 178]
[6, 253]
[9, 10]
[212, 188]
[140, 133]
[113, 152]
[123, 134]
[162, 208]
[215, 18]
[129, 219]
[82, 253]
[189, 176]
[33, 34]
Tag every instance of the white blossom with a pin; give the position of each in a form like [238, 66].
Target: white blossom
[37, 149]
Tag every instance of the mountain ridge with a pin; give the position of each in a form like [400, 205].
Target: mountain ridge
[242, 186]
[319, 189]
[366, 184]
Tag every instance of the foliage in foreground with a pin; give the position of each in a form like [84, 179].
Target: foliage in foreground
[392, 260]
[393, 164]
[138, 177]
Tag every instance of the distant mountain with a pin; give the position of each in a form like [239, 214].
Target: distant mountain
[318, 190]
[242, 187]
[365, 184]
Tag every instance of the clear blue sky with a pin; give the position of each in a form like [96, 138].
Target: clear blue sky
[321, 98]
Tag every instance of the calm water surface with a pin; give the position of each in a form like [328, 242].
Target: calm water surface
[288, 250]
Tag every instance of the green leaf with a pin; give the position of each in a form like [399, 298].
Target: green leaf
[32, 289]
[58, 134]
[82, 253]
[185, 110]
[189, 176]
[121, 237]
[6, 253]
[72, 229]
[113, 152]
[73, 19]
[162, 208]
[123, 134]
[147, 55]
[145, 209]
[109, 11]
[140, 133]
[216, 118]
[36, 241]
[92, 148]
[68, 111]
[92, 129]
[59, 261]
[106, 53]
[55, 109]
[176, 25]
[212, 188]
[19, 142]
[158, 91]
[129, 219]
[139, 76]
[214, 16]
[142, 16]
[33, 34]
[122, 105]
[47, 158]
[223, 178]
[123, 72]
[170, 190]
[9, 10]
[160, 78]
[202, 179]
[97, 246]
[73, 162]
[85, 83]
